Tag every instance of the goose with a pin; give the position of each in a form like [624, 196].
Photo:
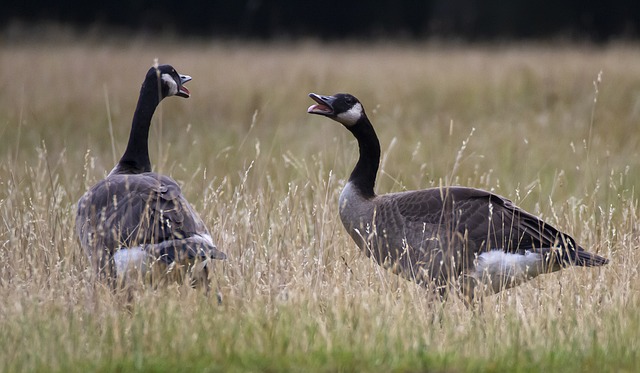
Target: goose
[136, 220]
[468, 239]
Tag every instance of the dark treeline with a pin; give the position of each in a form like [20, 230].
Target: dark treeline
[598, 20]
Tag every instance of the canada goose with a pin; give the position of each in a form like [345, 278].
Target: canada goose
[472, 239]
[135, 218]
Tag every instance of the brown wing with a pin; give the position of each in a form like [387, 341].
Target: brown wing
[446, 228]
[141, 210]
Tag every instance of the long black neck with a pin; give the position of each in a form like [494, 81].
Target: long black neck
[363, 176]
[136, 157]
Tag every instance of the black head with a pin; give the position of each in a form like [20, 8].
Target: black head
[341, 107]
[171, 83]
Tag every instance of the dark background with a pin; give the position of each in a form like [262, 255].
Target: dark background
[469, 20]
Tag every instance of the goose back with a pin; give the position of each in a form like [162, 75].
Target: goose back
[439, 233]
[145, 210]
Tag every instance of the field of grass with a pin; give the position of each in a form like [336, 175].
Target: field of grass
[554, 128]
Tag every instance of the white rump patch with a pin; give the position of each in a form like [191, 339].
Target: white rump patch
[131, 262]
[351, 116]
[171, 83]
[500, 270]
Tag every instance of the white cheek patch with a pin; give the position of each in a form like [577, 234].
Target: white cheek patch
[173, 86]
[351, 116]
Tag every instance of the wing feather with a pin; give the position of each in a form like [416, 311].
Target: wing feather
[146, 210]
[458, 223]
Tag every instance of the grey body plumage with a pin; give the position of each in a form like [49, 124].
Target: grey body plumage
[474, 239]
[138, 212]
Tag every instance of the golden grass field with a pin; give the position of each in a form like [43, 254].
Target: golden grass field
[534, 123]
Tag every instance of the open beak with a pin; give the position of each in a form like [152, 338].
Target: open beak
[323, 106]
[182, 90]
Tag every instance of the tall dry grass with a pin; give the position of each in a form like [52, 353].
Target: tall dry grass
[537, 126]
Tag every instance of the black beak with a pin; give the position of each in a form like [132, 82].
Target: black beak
[324, 105]
[182, 90]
